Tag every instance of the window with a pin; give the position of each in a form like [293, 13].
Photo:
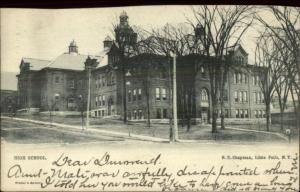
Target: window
[259, 113]
[238, 78]
[246, 79]
[99, 101]
[256, 80]
[165, 113]
[134, 114]
[56, 96]
[103, 100]
[204, 95]
[260, 97]
[242, 113]
[263, 113]
[56, 79]
[71, 100]
[103, 81]
[99, 113]
[164, 94]
[99, 81]
[241, 78]
[237, 113]
[79, 84]
[129, 95]
[234, 78]
[255, 97]
[96, 82]
[236, 99]
[246, 113]
[112, 79]
[245, 96]
[95, 113]
[157, 94]
[134, 95]
[96, 100]
[240, 96]
[140, 115]
[103, 113]
[202, 70]
[158, 113]
[139, 94]
[108, 79]
[71, 84]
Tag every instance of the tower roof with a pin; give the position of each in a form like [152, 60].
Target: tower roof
[107, 38]
[73, 43]
[123, 14]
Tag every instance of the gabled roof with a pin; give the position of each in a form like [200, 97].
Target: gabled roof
[70, 61]
[36, 64]
[239, 47]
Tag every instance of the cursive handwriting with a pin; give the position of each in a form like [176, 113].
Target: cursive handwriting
[107, 173]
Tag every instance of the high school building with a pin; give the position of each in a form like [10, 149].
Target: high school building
[62, 84]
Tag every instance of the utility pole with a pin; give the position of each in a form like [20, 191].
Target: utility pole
[175, 126]
[87, 123]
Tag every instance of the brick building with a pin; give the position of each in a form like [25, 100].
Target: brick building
[8, 101]
[57, 85]
[61, 84]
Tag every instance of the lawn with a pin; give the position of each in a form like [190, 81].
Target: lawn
[197, 132]
[26, 132]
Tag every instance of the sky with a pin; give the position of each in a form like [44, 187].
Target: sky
[45, 34]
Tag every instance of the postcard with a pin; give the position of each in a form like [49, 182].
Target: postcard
[150, 98]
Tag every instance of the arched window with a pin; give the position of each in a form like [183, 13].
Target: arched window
[204, 95]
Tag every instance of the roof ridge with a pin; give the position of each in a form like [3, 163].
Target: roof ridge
[35, 59]
[66, 53]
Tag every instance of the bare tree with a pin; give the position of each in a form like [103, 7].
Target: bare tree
[266, 57]
[145, 57]
[283, 84]
[218, 28]
[179, 40]
[285, 28]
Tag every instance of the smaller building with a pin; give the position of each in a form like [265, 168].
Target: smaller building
[8, 101]
[54, 85]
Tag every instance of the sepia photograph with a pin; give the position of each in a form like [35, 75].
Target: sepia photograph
[150, 98]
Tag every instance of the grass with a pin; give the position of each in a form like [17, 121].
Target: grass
[197, 132]
[27, 133]
[42, 136]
